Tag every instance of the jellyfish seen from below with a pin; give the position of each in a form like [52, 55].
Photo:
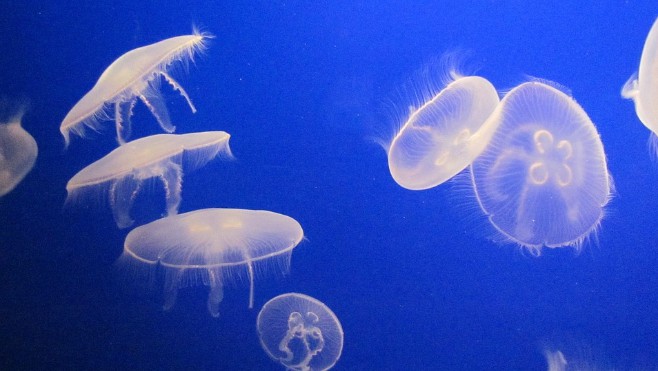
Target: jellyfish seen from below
[442, 137]
[135, 75]
[123, 171]
[18, 152]
[642, 87]
[543, 179]
[212, 246]
[300, 332]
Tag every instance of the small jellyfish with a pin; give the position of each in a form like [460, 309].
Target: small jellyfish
[543, 178]
[300, 332]
[134, 75]
[123, 171]
[18, 152]
[212, 246]
[642, 86]
[442, 137]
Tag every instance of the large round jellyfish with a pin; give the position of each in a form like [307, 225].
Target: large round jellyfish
[443, 136]
[18, 152]
[642, 87]
[300, 332]
[123, 171]
[543, 178]
[134, 75]
[212, 246]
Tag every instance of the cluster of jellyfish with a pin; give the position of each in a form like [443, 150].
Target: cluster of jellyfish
[212, 245]
[536, 161]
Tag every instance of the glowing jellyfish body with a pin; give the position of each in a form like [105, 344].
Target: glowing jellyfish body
[211, 246]
[18, 152]
[444, 135]
[642, 87]
[134, 75]
[543, 179]
[300, 332]
[123, 171]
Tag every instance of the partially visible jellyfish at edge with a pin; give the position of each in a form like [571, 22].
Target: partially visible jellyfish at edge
[18, 149]
[213, 247]
[122, 173]
[642, 86]
[442, 136]
[300, 332]
[134, 75]
[543, 179]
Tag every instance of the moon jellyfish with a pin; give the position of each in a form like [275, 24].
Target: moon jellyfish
[443, 136]
[543, 179]
[122, 172]
[642, 87]
[212, 246]
[18, 152]
[300, 332]
[134, 75]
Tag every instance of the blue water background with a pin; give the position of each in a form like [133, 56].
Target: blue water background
[303, 87]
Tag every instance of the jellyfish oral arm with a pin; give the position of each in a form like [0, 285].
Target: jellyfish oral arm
[123, 111]
[216, 294]
[180, 89]
[172, 180]
[156, 105]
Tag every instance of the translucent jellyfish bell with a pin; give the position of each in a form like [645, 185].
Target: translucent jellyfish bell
[642, 87]
[123, 171]
[300, 332]
[543, 179]
[18, 152]
[443, 136]
[212, 246]
[134, 75]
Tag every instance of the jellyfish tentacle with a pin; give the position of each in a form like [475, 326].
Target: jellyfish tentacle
[179, 89]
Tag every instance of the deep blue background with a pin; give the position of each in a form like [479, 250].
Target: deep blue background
[302, 87]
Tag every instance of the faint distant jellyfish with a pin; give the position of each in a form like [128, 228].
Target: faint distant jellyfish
[300, 332]
[642, 87]
[134, 75]
[212, 246]
[543, 179]
[18, 152]
[123, 171]
[442, 137]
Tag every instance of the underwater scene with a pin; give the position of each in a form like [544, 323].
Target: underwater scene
[347, 185]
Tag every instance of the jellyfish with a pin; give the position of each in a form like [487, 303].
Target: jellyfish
[134, 75]
[212, 246]
[122, 172]
[442, 137]
[555, 360]
[18, 152]
[300, 332]
[543, 178]
[642, 86]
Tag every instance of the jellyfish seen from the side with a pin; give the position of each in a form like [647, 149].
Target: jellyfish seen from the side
[441, 138]
[543, 179]
[123, 172]
[213, 247]
[642, 87]
[136, 75]
[300, 332]
[18, 152]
